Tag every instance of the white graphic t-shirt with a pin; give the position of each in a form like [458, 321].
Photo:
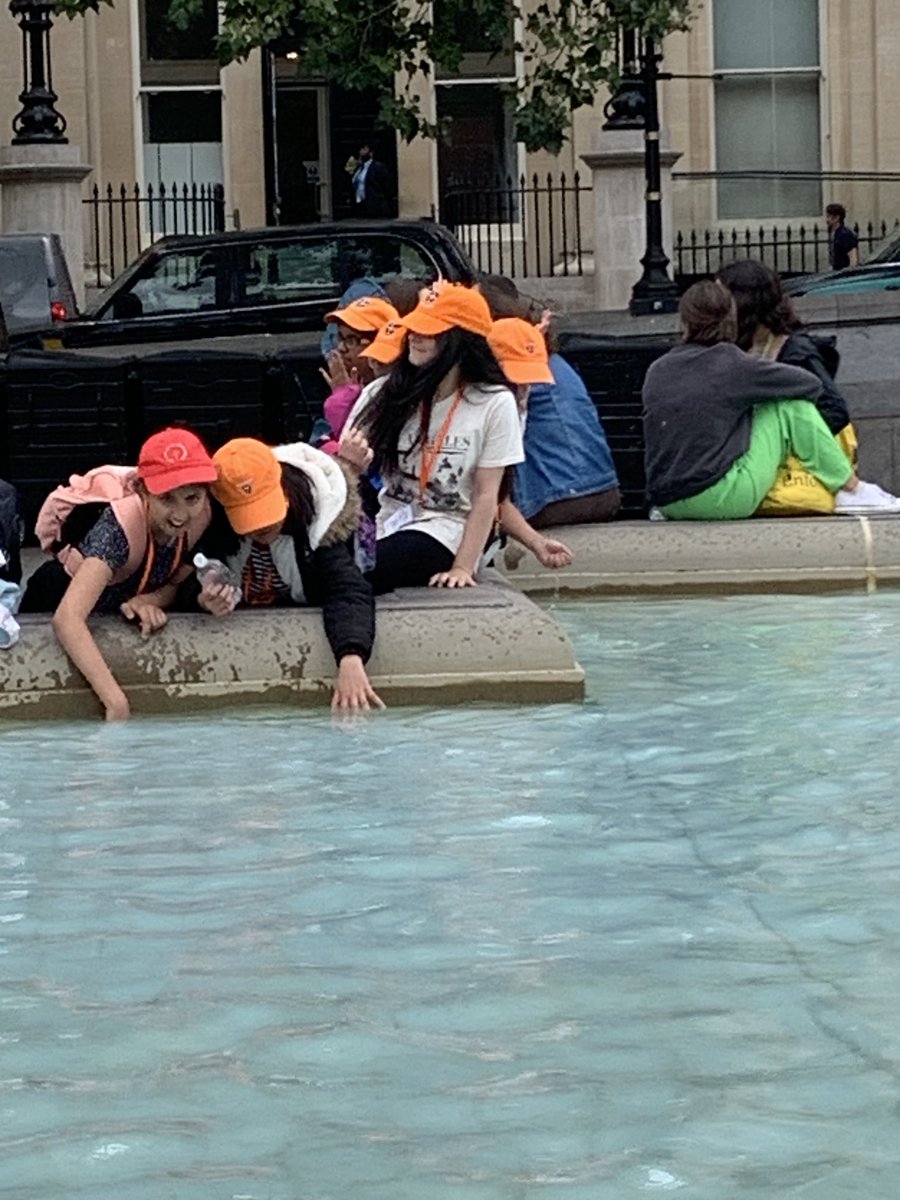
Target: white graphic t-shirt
[484, 432]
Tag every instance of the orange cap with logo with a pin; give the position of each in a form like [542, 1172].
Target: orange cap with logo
[368, 314]
[388, 344]
[249, 485]
[521, 351]
[446, 306]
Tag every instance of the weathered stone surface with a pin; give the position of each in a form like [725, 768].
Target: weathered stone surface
[432, 648]
[801, 554]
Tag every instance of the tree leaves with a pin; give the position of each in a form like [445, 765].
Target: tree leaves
[568, 47]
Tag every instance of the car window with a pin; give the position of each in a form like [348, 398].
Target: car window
[280, 272]
[183, 281]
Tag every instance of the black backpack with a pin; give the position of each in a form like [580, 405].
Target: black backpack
[11, 530]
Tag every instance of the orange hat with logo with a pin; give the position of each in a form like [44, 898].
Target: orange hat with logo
[249, 485]
[368, 314]
[446, 306]
[521, 351]
[388, 344]
[174, 458]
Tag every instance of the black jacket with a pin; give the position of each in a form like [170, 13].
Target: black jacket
[801, 351]
[331, 581]
[10, 532]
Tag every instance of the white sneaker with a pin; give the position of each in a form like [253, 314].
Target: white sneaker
[868, 498]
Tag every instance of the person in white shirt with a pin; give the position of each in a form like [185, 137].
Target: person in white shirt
[442, 426]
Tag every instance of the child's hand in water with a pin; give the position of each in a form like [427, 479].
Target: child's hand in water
[355, 449]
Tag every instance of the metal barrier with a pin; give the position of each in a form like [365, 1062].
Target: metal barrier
[521, 227]
[125, 220]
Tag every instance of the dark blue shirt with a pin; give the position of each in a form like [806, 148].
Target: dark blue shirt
[108, 542]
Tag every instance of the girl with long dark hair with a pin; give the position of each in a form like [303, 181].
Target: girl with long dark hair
[443, 426]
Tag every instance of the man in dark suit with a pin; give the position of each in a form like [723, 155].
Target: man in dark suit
[371, 186]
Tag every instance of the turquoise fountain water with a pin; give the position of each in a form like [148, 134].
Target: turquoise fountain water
[643, 946]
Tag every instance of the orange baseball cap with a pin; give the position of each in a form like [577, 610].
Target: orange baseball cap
[446, 306]
[388, 344]
[174, 458]
[368, 314]
[521, 351]
[249, 485]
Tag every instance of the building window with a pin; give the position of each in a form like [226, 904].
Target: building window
[170, 55]
[767, 106]
[183, 137]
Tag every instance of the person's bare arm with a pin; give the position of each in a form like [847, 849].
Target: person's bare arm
[853, 256]
[485, 490]
[548, 551]
[149, 607]
[71, 629]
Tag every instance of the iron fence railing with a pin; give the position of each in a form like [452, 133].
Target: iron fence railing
[125, 220]
[790, 250]
[522, 227]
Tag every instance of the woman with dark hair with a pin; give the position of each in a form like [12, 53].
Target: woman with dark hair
[719, 423]
[769, 326]
[443, 426]
[282, 526]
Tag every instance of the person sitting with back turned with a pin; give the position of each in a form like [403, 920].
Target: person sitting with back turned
[568, 476]
[769, 326]
[718, 423]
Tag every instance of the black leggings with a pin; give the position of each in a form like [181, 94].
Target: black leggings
[408, 559]
[46, 588]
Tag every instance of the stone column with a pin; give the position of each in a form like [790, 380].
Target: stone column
[40, 191]
[617, 165]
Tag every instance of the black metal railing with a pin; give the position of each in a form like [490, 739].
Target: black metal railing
[521, 227]
[789, 250]
[789, 244]
[123, 221]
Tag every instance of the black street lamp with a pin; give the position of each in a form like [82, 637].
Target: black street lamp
[654, 292]
[38, 121]
[635, 105]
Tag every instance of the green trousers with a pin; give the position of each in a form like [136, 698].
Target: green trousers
[780, 428]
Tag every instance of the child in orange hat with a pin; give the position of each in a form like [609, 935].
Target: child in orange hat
[131, 553]
[281, 524]
[521, 351]
[443, 427]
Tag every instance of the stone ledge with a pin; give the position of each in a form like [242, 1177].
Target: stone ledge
[492, 644]
[806, 554]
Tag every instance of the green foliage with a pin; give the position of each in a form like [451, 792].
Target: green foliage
[568, 47]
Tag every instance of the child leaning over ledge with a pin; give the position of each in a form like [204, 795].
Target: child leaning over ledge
[131, 553]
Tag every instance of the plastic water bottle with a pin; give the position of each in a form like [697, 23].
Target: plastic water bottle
[212, 572]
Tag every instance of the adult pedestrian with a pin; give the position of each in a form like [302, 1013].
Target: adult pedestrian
[371, 186]
[843, 242]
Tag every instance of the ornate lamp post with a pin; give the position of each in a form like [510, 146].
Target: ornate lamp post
[635, 106]
[38, 121]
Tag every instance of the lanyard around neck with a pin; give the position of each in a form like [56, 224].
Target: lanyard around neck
[431, 450]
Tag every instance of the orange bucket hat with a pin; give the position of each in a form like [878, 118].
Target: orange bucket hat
[521, 351]
[388, 344]
[368, 314]
[446, 306]
[249, 485]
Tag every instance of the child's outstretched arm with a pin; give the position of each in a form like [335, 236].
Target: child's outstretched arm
[71, 629]
[548, 551]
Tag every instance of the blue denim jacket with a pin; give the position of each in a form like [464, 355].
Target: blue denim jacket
[566, 454]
